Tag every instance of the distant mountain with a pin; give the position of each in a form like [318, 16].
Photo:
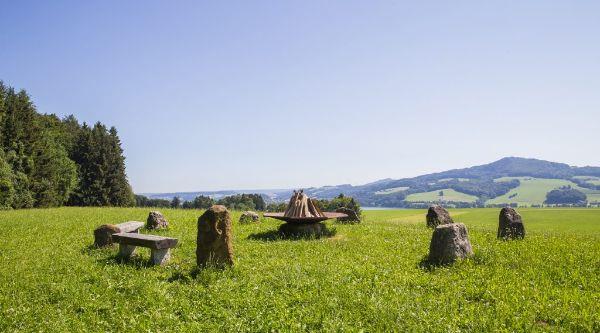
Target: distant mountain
[474, 186]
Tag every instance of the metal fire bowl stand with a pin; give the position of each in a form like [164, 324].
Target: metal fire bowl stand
[328, 215]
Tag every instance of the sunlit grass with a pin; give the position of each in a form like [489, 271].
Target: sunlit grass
[366, 277]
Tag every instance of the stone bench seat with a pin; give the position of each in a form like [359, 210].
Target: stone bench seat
[103, 234]
[158, 245]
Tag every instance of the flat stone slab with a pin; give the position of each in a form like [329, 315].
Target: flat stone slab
[149, 241]
[103, 234]
[130, 226]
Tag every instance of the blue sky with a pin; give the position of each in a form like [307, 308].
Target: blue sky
[280, 94]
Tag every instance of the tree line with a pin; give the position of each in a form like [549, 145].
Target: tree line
[46, 161]
[245, 202]
[236, 202]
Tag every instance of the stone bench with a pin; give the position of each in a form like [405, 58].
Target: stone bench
[159, 246]
[103, 234]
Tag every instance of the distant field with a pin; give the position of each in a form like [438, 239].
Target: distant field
[433, 196]
[366, 277]
[532, 191]
[589, 179]
[392, 190]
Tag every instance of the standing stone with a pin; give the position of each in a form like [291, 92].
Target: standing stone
[213, 244]
[352, 216]
[448, 243]
[249, 217]
[510, 225]
[156, 220]
[103, 234]
[437, 215]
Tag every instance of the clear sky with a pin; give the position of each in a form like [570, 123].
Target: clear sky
[281, 94]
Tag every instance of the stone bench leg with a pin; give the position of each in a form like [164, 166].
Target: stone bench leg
[160, 257]
[126, 251]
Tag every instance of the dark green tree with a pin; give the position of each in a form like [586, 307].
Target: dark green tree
[176, 202]
[6, 184]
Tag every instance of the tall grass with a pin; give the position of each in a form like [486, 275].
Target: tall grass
[367, 277]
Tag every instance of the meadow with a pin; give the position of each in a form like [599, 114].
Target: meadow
[433, 196]
[532, 191]
[366, 277]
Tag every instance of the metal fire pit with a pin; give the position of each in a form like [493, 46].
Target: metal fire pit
[328, 215]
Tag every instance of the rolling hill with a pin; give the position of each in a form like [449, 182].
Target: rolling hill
[510, 180]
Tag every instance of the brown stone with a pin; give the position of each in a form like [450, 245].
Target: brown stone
[103, 234]
[437, 215]
[214, 241]
[449, 242]
[510, 225]
[249, 217]
[351, 218]
[156, 220]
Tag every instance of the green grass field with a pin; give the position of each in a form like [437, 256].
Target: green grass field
[532, 191]
[367, 277]
[433, 196]
[392, 190]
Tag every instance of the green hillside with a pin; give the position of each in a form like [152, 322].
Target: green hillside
[433, 196]
[532, 191]
[392, 190]
[589, 179]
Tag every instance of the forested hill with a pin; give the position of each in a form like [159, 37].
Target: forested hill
[46, 161]
[510, 180]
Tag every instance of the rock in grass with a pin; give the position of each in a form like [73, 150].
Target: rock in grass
[103, 235]
[510, 225]
[352, 216]
[249, 217]
[214, 241]
[156, 220]
[448, 243]
[437, 215]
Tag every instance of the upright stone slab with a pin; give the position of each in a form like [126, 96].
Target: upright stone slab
[351, 218]
[510, 225]
[437, 215]
[249, 217]
[214, 241]
[103, 235]
[448, 243]
[156, 220]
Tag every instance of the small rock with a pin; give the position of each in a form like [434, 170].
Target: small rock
[214, 241]
[156, 220]
[249, 217]
[103, 235]
[510, 225]
[448, 243]
[437, 215]
[352, 216]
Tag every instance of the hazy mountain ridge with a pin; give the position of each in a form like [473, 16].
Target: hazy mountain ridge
[478, 181]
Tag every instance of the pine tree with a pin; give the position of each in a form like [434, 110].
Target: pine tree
[54, 175]
[120, 192]
[45, 160]
[6, 184]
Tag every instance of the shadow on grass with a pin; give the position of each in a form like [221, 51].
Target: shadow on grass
[134, 261]
[429, 265]
[205, 276]
[279, 235]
